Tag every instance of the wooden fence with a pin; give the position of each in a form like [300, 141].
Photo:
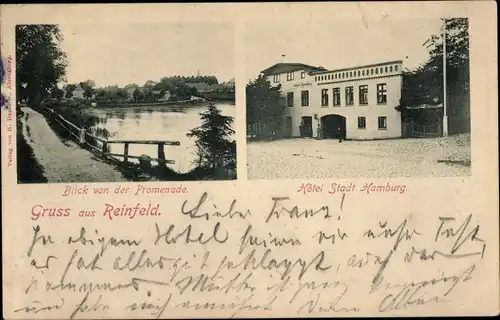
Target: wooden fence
[81, 135]
[414, 130]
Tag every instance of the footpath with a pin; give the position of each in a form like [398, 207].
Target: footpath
[63, 162]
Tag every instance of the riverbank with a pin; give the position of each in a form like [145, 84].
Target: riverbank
[100, 104]
[81, 117]
[63, 161]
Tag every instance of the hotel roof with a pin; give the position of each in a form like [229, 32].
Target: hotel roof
[290, 67]
[358, 67]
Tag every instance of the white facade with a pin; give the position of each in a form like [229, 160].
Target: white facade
[367, 116]
[78, 93]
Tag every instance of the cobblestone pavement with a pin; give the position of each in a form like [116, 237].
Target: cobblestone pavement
[318, 159]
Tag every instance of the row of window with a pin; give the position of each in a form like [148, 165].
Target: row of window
[358, 73]
[289, 76]
[382, 123]
[349, 96]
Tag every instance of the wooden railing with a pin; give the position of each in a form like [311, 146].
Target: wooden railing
[81, 135]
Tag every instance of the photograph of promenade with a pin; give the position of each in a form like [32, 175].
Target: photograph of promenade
[91, 107]
[385, 101]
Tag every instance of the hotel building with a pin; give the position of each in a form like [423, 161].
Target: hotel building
[353, 103]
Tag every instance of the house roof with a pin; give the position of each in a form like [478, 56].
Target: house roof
[79, 88]
[199, 85]
[290, 67]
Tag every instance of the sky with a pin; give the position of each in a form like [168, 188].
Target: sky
[339, 44]
[135, 53]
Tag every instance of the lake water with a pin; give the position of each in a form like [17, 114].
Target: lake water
[156, 123]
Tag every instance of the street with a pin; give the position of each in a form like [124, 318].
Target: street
[321, 159]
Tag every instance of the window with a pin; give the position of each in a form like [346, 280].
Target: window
[350, 74]
[336, 96]
[289, 99]
[390, 68]
[382, 123]
[371, 72]
[303, 75]
[276, 78]
[316, 78]
[304, 98]
[363, 94]
[381, 70]
[381, 93]
[363, 73]
[349, 96]
[328, 77]
[361, 123]
[324, 97]
[376, 70]
[289, 76]
[386, 70]
[395, 68]
[335, 76]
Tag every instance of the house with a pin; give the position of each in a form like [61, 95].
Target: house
[150, 83]
[201, 87]
[78, 93]
[161, 97]
[130, 93]
[229, 85]
[352, 103]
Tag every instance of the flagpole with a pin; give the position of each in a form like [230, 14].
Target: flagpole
[445, 111]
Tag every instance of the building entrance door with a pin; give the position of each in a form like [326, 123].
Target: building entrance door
[307, 129]
[333, 126]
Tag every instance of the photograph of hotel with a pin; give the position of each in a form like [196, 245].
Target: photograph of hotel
[349, 103]
[391, 100]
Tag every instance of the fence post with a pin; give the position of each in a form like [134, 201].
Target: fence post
[82, 136]
[104, 147]
[125, 152]
[161, 154]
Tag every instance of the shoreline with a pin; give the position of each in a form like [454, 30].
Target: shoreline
[185, 103]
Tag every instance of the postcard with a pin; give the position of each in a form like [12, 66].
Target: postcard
[256, 160]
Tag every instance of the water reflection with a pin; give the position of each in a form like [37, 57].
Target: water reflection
[155, 123]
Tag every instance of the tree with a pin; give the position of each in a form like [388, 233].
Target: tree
[216, 151]
[57, 94]
[40, 62]
[68, 89]
[138, 95]
[424, 85]
[264, 107]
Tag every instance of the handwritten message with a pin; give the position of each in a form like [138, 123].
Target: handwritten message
[210, 255]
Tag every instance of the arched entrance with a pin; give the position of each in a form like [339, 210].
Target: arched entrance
[333, 126]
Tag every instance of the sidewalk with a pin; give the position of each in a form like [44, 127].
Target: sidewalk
[63, 162]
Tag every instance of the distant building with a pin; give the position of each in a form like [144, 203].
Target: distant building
[229, 85]
[130, 93]
[353, 103]
[161, 97]
[201, 87]
[78, 93]
[150, 83]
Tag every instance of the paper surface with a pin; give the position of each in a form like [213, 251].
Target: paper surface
[339, 246]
